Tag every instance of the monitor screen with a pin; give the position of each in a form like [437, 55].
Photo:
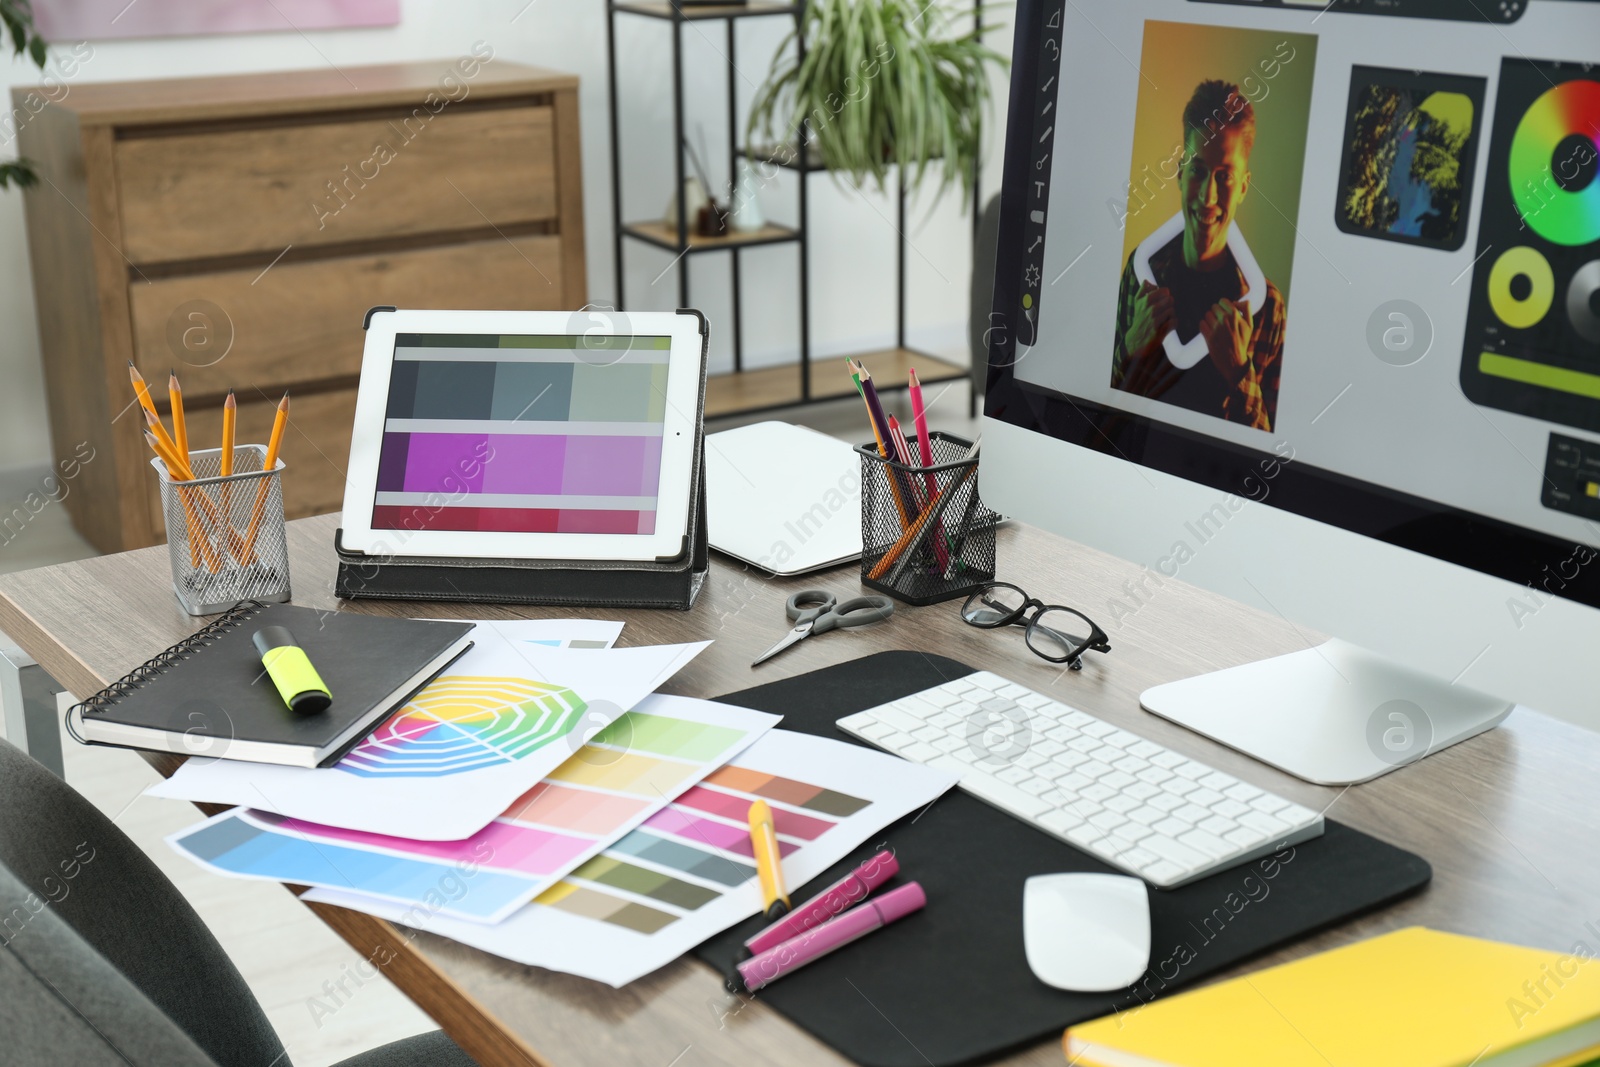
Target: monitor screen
[1342, 259]
[522, 434]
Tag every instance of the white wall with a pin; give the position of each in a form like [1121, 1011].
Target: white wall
[853, 236]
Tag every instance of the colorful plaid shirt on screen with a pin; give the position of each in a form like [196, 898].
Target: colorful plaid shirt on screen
[1252, 401]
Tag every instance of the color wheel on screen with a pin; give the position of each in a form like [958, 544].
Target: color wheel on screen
[463, 723]
[1547, 132]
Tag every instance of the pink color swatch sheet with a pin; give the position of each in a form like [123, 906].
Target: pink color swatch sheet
[623, 777]
[686, 872]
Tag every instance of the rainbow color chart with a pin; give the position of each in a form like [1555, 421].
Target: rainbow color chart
[690, 838]
[685, 874]
[461, 723]
[617, 781]
[522, 434]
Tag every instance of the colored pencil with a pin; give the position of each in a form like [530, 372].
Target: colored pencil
[930, 515]
[922, 494]
[964, 531]
[880, 429]
[856, 372]
[919, 421]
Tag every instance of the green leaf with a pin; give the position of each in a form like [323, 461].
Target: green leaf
[16, 16]
[19, 173]
[882, 84]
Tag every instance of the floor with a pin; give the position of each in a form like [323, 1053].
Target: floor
[285, 954]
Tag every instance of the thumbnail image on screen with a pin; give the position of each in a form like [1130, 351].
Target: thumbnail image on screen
[1533, 323]
[522, 434]
[1218, 157]
[1410, 150]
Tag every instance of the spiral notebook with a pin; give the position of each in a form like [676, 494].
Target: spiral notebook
[209, 696]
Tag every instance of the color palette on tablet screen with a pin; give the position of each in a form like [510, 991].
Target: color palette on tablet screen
[695, 849]
[523, 434]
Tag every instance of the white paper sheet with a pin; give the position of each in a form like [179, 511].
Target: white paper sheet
[589, 925]
[502, 717]
[628, 773]
[553, 633]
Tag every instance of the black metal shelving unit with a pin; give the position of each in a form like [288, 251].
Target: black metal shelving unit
[761, 386]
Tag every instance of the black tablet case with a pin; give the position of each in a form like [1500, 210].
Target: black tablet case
[662, 583]
[951, 985]
[548, 583]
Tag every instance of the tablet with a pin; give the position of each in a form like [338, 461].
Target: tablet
[525, 434]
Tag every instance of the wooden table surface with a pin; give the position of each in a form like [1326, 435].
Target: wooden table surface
[1507, 819]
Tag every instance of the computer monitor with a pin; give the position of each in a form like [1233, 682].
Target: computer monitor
[1301, 302]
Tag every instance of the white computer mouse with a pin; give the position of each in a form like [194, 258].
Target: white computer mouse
[1088, 933]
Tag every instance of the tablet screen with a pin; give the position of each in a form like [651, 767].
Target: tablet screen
[516, 433]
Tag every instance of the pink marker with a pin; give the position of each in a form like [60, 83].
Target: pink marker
[848, 891]
[834, 934]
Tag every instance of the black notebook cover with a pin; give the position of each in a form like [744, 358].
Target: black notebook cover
[951, 985]
[213, 684]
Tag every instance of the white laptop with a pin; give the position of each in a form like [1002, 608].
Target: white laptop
[783, 498]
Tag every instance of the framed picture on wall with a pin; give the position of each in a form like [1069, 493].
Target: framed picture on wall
[97, 19]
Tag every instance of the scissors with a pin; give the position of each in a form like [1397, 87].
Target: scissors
[816, 612]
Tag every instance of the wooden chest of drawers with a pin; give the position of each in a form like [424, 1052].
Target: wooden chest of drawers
[237, 229]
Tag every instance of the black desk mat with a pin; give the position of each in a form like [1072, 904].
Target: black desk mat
[951, 985]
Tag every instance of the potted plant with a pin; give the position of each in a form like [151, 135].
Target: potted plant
[16, 19]
[883, 83]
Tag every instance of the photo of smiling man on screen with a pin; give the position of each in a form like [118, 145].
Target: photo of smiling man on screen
[1198, 287]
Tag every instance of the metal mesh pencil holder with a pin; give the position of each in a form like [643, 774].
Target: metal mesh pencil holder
[226, 536]
[925, 534]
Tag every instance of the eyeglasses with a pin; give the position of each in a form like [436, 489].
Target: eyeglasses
[1056, 633]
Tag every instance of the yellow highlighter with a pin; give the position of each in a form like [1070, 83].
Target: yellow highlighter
[769, 862]
[298, 682]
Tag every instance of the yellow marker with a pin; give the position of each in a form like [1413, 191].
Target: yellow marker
[1593, 489]
[298, 682]
[769, 862]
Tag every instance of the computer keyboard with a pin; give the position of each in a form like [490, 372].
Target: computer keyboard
[1137, 806]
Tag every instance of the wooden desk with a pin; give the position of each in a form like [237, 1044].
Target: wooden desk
[1506, 818]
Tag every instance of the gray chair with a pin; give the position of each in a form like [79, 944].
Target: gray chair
[102, 961]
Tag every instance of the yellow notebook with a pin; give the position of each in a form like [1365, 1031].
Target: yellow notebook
[1413, 998]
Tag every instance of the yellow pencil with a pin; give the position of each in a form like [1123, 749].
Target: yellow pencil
[198, 544]
[230, 422]
[142, 391]
[169, 447]
[230, 418]
[279, 421]
[180, 429]
[184, 472]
